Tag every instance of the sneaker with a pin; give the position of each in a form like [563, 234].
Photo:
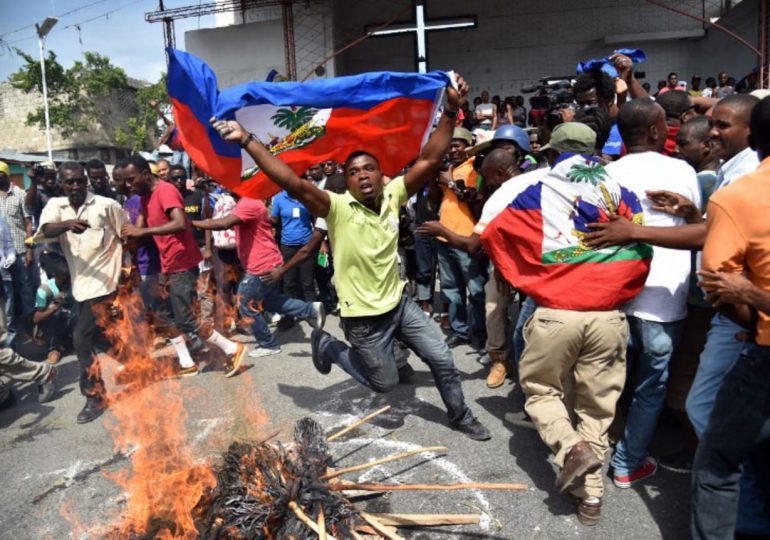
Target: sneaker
[647, 469]
[275, 318]
[47, 388]
[191, 371]
[484, 359]
[589, 511]
[473, 430]
[679, 462]
[320, 318]
[92, 410]
[235, 362]
[405, 374]
[519, 419]
[323, 365]
[259, 352]
[53, 357]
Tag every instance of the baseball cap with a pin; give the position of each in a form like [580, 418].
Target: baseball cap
[463, 134]
[572, 137]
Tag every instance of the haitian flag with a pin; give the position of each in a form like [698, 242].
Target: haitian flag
[537, 241]
[386, 114]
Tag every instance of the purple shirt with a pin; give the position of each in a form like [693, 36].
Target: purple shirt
[147, 256]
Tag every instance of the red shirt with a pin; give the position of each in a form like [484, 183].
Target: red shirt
[254, 238]
[178, 252]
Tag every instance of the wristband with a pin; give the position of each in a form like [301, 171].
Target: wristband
[245, 142]
[450, 113]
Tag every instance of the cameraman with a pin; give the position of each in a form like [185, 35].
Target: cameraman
[462, 276]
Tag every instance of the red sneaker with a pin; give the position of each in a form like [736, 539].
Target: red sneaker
[647, 469]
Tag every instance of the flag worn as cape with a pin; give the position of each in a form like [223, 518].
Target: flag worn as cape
[536, 243]
[387, 114]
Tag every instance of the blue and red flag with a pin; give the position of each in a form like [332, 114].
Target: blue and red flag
[387, 114]
[537, 242]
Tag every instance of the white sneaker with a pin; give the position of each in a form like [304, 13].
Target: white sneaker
[275, 318]
[320, 318]
[259, 352]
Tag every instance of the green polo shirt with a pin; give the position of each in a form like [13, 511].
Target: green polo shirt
[365, 247]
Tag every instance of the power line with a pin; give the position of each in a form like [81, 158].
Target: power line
[70, 12]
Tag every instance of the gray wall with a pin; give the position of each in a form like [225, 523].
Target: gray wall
[517, 42]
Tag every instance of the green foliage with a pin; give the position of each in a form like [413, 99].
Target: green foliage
[74, 93]
[141, 129]
[292, 118]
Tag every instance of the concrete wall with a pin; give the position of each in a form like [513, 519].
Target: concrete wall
[517, 42]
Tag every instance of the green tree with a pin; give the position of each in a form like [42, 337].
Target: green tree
[141, 130]
[74, 94]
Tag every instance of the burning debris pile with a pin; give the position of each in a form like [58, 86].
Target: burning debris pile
[262, 490]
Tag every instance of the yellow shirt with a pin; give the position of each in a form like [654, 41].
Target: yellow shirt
[455, 214]
[94, 257]
[365, 248]
[738, 237]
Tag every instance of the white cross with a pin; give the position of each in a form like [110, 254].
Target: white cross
[421, 27]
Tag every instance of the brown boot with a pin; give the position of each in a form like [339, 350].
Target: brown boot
[588, 513]
[498, 370]
[579, 462]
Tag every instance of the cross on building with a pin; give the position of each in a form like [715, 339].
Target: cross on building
[420, 27]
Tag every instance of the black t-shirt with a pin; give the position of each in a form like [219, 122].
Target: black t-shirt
[424, 209]
[193, 207]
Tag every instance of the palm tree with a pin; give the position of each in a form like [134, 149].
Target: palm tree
[292, 118]
[588, 172]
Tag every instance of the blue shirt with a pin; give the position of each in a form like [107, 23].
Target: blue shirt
[147, 256]
[296, 221]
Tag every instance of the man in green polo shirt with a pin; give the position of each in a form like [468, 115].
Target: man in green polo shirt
[363, 230]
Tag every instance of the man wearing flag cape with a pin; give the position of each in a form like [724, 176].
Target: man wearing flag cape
[363, 230]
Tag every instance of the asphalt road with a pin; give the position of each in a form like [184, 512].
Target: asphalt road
[52, 467]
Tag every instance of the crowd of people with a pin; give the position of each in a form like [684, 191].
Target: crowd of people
[626, 229]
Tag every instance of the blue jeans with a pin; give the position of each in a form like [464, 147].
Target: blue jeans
[463, 277]
[425, 251]
[370, 358]
[739, 424]
[651, 345]
[20, 292]
[527, 309]
[257, 297]
[719, 356]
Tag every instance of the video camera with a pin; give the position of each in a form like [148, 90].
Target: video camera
[551, 93]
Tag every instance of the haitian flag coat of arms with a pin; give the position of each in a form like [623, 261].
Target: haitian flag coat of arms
[387, 114]
[537, 241]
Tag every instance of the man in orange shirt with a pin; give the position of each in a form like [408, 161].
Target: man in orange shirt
[737, 245]
[462, 276]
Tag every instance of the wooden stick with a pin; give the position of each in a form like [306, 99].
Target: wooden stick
[427, 520]
[321, 523]
[394, 457]
[302, 516]
[354, 425]
[342, 486]
[380, 528]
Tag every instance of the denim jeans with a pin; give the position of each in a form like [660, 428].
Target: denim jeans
[463, 277]
[20, 291]
[370, 358]
[651, 345]
[527, 309]
[299, 282]
[719, 356]
[739, 423]
[257, 297]
[425, 251]
[183, 300]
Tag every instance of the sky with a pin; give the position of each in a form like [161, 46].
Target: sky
[122, 35]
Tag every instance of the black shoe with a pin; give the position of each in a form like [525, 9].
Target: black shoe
[323, 365]
[47, 388]
[679, 462]
[8, 401]
[92, 410]
[454, 340]
[474, 430]
[405, 374]
[285, 324]
[519, 419]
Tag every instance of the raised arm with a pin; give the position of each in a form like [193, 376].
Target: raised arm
[315, 200]
[433, 152]
[625, 68]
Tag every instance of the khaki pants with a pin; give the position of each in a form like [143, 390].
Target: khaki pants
[592, 347]
[496, 307]
[15, 367]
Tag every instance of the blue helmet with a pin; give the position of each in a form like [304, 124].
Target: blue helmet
[510, 132]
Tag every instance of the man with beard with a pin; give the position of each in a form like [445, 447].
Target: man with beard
[88, 228]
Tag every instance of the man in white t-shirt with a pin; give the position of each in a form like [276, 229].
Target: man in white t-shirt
[655, 316]
[500, 172]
